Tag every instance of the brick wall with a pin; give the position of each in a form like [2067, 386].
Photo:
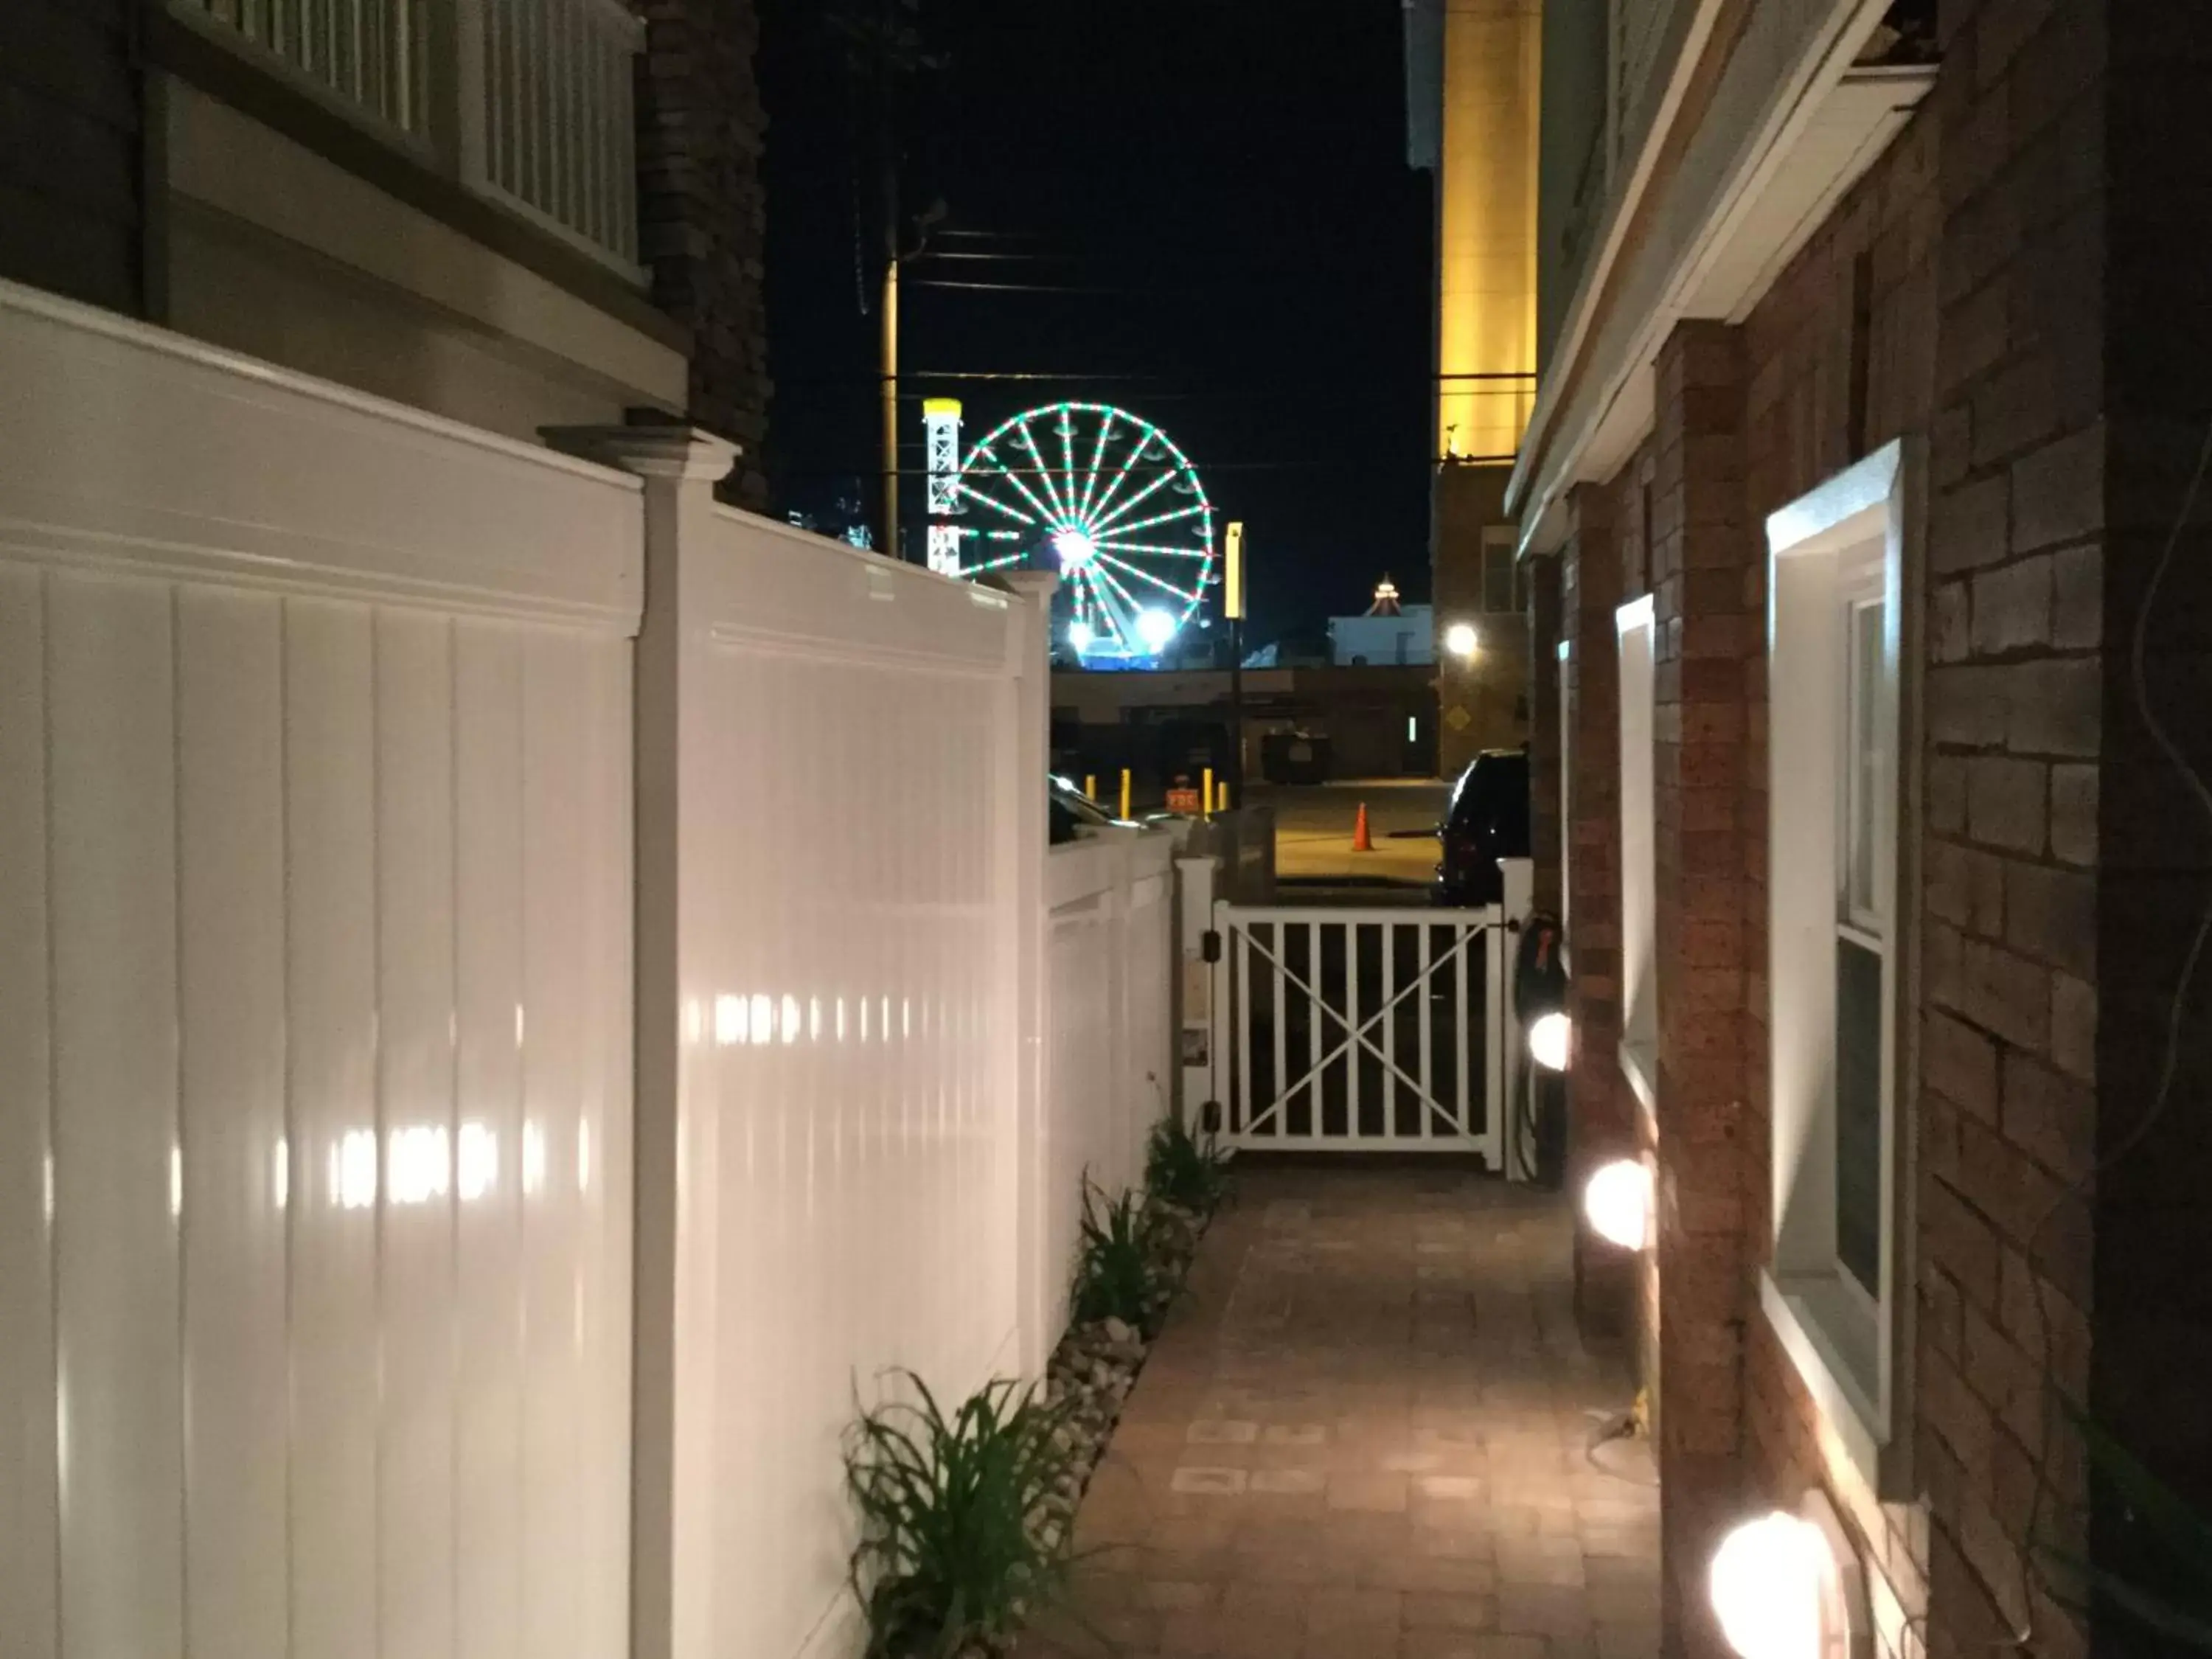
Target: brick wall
[2146, 828]
[703, 221]
[2006, 288]
[1707, 595]
[1544, 792]
[1601, 1113]
[1840, 361]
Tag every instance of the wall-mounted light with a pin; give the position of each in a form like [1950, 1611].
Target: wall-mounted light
[1462, 640]
[1788, 1586]
[1616, 1203]
[1549, 1037]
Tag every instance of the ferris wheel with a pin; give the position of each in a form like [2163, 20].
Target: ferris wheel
[1100, 495]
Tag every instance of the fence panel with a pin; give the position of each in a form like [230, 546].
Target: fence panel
[827, 934]
[1108, 1036]
[314, 1022]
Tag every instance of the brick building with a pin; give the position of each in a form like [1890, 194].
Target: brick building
[1870, 405]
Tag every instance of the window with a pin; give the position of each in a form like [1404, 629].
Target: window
[1836, 1291]
[1640, 960]
[1502, 579]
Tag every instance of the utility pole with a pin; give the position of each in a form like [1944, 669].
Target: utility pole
[891, 404]
[1232, 606]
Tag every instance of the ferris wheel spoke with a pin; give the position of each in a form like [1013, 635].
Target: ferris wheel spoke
[1145, 437]
[1101, 522]
[1044, 473]
[1158, 581]
[1156, 550]
[1044, 513]
[990, 564]
[1067, 457]
[1116, 603]
[1097, 455]
[969, 489]
[1160, 518]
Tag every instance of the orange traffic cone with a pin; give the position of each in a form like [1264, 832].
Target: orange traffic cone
[1361, 841]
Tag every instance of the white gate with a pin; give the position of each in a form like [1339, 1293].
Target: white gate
[1365, 1030]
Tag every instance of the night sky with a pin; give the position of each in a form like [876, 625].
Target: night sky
[1224, 180]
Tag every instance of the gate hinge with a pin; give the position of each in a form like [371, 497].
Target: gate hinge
[1209, 944]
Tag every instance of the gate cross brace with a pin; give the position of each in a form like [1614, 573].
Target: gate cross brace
[1275, 1107]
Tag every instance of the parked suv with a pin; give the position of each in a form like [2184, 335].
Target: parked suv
[1487, 820]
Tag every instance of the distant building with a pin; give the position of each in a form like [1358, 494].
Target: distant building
[1391, 634]
[1473, 74]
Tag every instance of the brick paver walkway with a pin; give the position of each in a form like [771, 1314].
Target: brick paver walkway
[1363, 1436]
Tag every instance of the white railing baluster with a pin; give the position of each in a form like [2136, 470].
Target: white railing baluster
[1352, 1058]
[546, 93]
[1276, 934]
[1427, 1071]
[1242, 995]
[1463, 1026]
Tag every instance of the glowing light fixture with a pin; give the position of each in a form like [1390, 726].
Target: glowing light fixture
[1617, 1201]
[1074, 547]
[1789, 1586]
[1079, 634]
[1462, 640]
[1155, 627]
[1547, 1040]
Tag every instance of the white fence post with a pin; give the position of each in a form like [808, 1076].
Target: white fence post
[1508, 1041]
[1198, 1054]
[675, 1329]
[1020, 816]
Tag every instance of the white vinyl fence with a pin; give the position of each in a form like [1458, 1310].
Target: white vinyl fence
[315, 1045]
[524, 993]
[1110, 1061]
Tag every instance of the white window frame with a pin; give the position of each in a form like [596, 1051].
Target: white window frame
[1639, 875]
[1840, 546]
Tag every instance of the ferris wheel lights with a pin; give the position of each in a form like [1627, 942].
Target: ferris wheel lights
[1074, 547]
[1155, 627]
[1079, 636]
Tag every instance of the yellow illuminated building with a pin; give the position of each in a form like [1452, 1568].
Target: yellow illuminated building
[1486, 227]
[1472, 79]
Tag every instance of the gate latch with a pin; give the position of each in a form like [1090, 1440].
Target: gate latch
[1209, 944]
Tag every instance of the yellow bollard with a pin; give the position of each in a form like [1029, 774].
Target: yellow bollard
[1091, 786]
[1221, 796]
[1206, 795]
[1125, 792]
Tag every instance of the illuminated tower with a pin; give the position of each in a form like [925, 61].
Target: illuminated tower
[940, 425]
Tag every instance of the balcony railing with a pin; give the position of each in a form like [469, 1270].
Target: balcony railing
[560, 136]
[529, 102]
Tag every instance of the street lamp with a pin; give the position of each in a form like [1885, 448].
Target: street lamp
[1461, 639]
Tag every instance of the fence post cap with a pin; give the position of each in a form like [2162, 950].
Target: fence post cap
[667, 451]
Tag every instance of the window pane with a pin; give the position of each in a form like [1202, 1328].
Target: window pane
[1498, 578]
[1858, 1112]
[1869, 746]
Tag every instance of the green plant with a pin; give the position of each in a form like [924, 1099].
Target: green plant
[2168, 1546]
[951, 1549]
[1117, 1272]
[1184, 1170]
